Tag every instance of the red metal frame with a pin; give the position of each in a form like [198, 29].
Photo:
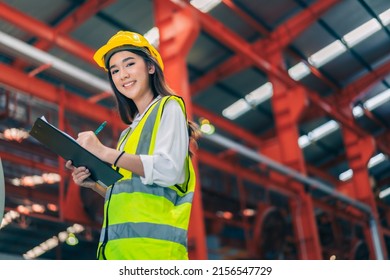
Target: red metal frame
[172, 19]
[174, 48]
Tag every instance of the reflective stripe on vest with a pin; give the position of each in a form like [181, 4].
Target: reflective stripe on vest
[151, 214]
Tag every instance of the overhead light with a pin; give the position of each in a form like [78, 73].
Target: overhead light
[41, 248]
[378, 100]
[357, 111]
[52, 207]
[323, 56]
[15, 134]
[225, 214]
[248, 212]
[259, 95]
[375, 160]
[318, 133]
[22, 209]
[153, 36]
[205, 5]
[323, 130]
[318, 59]
[385, 17]
[328, 53]
[304, 141]
[372, 103]
[38, 208]
[51, 178]
[31, 181]
[71, 240]
[206, 127]
[67, 236]
[362, 32]
[371, 163]
[237, 109]
[9, 217]
[299, 71]
[384, 193]
[346, 175]
[252, 99]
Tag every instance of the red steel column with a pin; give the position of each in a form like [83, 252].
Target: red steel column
[178, 30]
[359, 150]
[288, 105]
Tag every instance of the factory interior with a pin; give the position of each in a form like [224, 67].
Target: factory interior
[292, 98]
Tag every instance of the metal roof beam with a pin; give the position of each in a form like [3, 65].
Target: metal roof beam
[286, 33]
[228, 126]
[277, 41]
[237, 44]
[51, 93]
[85, 11]
[23, 161]
[45, 32]
[360, 86]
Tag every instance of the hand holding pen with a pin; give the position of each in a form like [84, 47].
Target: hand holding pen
[100, 128]
[89, 141]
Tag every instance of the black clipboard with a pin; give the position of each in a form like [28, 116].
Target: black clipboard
[66, 146]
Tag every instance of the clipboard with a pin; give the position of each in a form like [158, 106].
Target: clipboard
[66, 146]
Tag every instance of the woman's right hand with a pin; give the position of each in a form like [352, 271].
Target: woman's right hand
[80, 175]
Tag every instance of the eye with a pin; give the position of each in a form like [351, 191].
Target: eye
[129, 64]
[114, 71]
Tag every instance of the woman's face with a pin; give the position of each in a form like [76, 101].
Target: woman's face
[130, 75]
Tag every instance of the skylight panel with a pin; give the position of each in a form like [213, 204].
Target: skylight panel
[253, 98]
[328, 53]
[384, 193]
[385, 17]
[260, 94]
[318, 59]
[317, 133]
[376, 160]
[357, 111]
[323, 130]
[346, 175]
[205, 5]
[303, 141]
[362, 32]
[153, 36]
[378, 100]
[235, 110]
[299, 71]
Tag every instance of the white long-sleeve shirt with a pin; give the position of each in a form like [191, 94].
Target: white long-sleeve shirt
[165, 166]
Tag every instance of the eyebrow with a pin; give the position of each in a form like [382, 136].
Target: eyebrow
[123, 61]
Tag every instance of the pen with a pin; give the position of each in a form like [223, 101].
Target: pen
[100, 128]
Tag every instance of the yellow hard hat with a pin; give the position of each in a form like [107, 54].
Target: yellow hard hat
[126, 38]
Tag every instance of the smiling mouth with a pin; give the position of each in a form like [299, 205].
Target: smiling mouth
[129, 84]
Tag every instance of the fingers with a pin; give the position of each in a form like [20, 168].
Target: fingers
[80, 174]
[69, 165]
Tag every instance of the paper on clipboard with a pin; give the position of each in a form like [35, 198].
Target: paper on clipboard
[66, 146]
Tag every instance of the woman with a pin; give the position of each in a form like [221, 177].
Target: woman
[146, 213]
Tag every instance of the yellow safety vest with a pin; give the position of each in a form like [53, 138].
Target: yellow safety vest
[144, 222]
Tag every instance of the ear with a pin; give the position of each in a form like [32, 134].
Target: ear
[151, 68]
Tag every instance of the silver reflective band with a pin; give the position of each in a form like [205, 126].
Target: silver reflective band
[146, 230]
[135, 185]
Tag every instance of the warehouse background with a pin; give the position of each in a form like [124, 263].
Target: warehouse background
[292, 95]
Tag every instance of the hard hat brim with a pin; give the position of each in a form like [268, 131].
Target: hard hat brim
[99, 56]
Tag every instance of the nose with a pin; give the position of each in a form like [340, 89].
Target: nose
[124, 74]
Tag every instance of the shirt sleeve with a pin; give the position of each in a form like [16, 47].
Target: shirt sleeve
[165, 167]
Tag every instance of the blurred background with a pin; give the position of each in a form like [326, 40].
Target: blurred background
[292, 97]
